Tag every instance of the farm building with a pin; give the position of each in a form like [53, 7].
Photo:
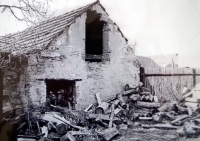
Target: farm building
[75, 77]
[71, 57]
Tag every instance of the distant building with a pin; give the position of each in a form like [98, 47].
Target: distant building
[166, 60]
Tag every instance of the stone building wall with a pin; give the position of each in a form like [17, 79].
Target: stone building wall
[13, 89]
[65, 59]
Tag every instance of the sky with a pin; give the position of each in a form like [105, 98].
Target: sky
[159, 27]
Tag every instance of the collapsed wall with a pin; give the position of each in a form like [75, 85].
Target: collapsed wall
[12, 81]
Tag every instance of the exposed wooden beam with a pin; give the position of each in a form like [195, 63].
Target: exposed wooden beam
[163, 74]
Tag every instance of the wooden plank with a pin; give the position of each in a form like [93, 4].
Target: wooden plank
[110, 133]
[25, 139]
[196, 93]
[68, 137]
[186, 95]
[103, 117]
[86, 110]
[167, 107]
[148, 104]
[145, 118]
[111, 116]
[79, 133]
[192, 99]
[67, 122]
[192, 105]
[123, 127]
[189, 111]
[185, 90]
[45, 131]
[93, 57]
[179, 119]
[129, 92]
[160, 126]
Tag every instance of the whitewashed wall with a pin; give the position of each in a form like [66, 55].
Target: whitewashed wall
[107, 77]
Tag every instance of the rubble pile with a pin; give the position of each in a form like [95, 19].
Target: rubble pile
[104, 120]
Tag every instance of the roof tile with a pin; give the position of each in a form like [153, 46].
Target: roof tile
[39, 36]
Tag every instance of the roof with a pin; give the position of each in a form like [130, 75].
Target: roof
[40, 36]
[147, 62]
[165, 60]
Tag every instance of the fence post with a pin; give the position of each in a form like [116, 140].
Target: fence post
[142, 77]
[194, 77]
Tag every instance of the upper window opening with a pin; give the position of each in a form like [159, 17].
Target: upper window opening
[94, 37]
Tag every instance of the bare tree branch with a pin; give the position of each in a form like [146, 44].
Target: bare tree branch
[14, 14]
[30, 11]
[10, 6]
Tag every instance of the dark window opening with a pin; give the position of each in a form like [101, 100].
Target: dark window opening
[94, 37]
[13, 62]
[60, 93]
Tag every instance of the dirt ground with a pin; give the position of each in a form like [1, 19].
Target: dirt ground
[153, 134]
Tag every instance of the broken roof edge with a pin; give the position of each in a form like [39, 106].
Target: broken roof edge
[121, 32]
[114, 23]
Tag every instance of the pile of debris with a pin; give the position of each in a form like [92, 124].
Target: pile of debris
[191, 98]
[139, 107]
[104, 120]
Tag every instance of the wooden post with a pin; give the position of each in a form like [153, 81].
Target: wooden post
[112, 115]
[62, 128]
[194, 77]
[102, 108]
[142, 77]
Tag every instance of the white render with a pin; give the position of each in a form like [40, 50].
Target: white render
[106, 77]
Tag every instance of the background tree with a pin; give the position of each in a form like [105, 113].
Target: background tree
[30, 11]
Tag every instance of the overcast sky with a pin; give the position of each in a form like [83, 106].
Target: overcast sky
[158, 26]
